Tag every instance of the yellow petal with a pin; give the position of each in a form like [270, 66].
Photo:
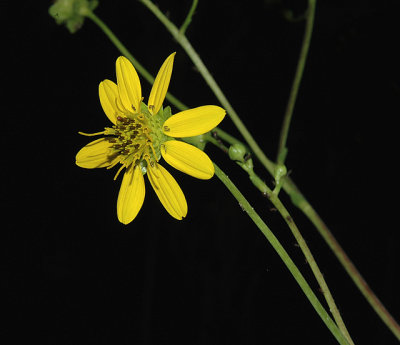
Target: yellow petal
[160, 86]
[131, 194]
[168, 191]
[192, 122]
[109, 99]
[96, 154]
[188, 159]
[129, 87]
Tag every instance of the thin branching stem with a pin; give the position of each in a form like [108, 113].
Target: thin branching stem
[282, 149]
[188, 18]
[245, 205]
[184, 42]
[289, 186]
[313, 264]
[302, 203]
[198, 62]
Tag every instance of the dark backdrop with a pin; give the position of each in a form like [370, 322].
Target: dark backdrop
[74, 275]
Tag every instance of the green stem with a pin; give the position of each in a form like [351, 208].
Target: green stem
[273, 197]
[313, 264]
[188, 17]
[283, 255]
[226, 136]
[282, 149]
[302, 203]
[217, 142]
[348, 265]
[183, 41]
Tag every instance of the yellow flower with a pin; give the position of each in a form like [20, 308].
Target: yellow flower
[142, 134]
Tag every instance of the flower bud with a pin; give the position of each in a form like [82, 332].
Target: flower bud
[279, 173]
[72, 12]
[237, 152]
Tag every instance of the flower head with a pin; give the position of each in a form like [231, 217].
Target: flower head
[141, 134]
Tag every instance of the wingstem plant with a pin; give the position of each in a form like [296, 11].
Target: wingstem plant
[286, 183]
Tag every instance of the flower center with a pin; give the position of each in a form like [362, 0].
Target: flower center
[136, 139]
[133, 141]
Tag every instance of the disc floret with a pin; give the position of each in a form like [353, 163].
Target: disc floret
[136, 139]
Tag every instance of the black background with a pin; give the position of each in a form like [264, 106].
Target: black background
[74, 275]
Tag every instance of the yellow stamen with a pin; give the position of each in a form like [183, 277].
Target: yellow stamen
[152, 165]
[150, 143]
[91, 134]
[146, 133]
[119, 170]
[113, 164]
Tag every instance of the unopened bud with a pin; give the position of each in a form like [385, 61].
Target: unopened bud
[72, 12]
[280, 171]
[237, 152]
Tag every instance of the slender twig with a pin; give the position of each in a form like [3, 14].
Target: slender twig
[282, 253]
[188, 18]
[282, 149]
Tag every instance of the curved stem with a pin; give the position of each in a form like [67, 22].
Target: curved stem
[283, 255]
[282, 149]
[183, 41]
[273, 197]
[302, 203]
[188, 18]
[313, 264]
[348, 265]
